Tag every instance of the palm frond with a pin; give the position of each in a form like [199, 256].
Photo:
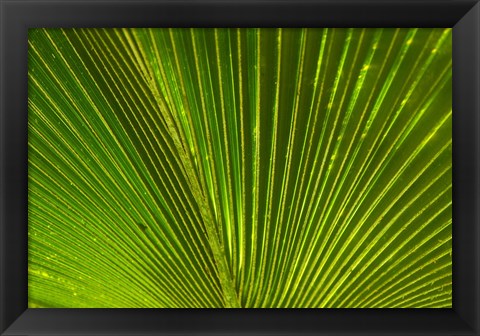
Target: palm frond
[240, 167]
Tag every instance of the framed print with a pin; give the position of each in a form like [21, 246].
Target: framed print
[240, 154]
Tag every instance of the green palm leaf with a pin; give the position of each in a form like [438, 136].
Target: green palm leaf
[240, 168]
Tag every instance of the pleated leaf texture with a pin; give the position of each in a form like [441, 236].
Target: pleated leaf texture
[240, 168]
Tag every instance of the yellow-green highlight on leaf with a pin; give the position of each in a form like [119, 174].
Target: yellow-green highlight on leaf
[240, 168]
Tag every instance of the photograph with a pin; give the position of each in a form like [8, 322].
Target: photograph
[240, 167]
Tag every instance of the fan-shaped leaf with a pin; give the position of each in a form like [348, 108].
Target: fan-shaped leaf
[240, 167]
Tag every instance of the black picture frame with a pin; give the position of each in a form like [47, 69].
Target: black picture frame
[16, 16]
